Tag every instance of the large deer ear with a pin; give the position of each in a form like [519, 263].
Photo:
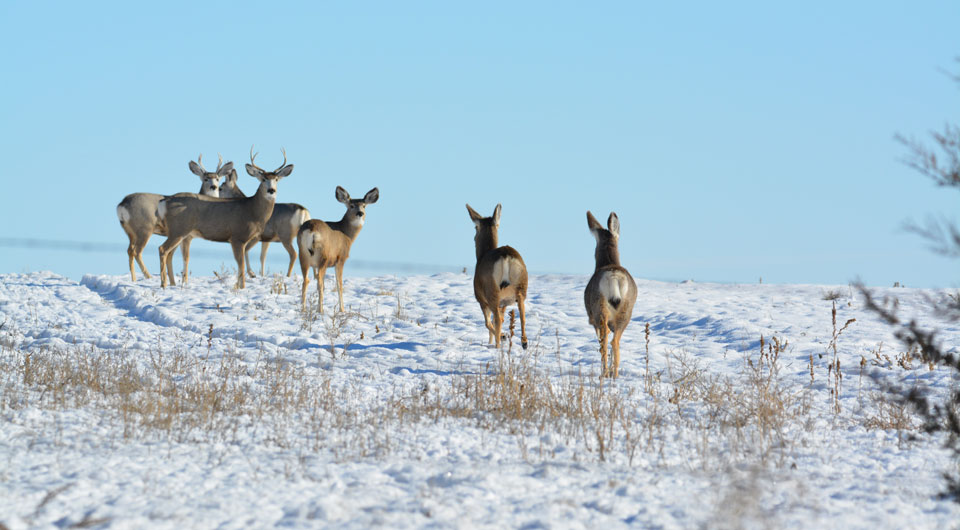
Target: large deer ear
[284, 171]
[226, 169]
[613, 224]
[254, 171]
[372, 196]
[496, 215]
[592, 222]
[474, 216]
[342, 195]
[196, 169]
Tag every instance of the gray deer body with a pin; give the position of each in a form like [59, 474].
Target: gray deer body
[500, 277]
[610, 293]
[137, 213]
[282, 226]
[238, 221]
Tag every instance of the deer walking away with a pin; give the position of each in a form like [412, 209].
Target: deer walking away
[610, 293]
[500, 277]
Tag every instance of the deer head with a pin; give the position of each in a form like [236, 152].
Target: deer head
[211, 179]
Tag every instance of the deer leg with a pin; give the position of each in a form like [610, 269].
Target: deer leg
[138, 255]
[185, 252]
[321, 275]
[246, 255]
[498, 324]
[304, 269]
[169, 262]
[487, 324]
[523, 321]
[616, 351]
[166, 253]
[130, 255]
[603, 345]
[239, 255]
[263, 256]
[291, 251]
[339, 270]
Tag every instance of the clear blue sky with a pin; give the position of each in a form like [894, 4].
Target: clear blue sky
[735, 140]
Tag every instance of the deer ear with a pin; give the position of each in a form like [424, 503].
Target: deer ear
[226, 169]
[342, 195]
[592, 222]
[496, 214]
[284, 171]
[372, 196]
[474, 216]
[254, 171]
[613, 224]
[195, 169]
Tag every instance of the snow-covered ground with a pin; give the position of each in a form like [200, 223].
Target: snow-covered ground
[701, 429]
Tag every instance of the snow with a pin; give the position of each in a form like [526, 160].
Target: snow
[353, 458]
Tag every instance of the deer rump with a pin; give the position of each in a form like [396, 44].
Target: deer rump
[504, 268]
[610, 291]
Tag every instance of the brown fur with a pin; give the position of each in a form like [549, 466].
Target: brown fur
[604, 315]
[327, 244]
[491, 295]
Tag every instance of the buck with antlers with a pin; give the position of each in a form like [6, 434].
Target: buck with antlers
[500, 278]
[237, 221]
[611, 292]
[282, 226]
[138, 215]
[323, 245]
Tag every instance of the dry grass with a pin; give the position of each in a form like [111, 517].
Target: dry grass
[207, 392]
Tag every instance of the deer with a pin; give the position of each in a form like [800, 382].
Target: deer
[282, 226]
[610, 293]
[327, 244]
[137, 213]
[500, 277]
[238, 221]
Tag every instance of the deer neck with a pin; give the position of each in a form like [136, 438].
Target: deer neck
[262, 204]
[607, 254]
[349, 226]
[485, 240]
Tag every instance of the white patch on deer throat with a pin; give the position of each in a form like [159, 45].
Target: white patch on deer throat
[123, 214]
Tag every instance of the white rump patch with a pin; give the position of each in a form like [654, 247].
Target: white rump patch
[612, 286]
[302, 216]
[501, 271]
[123, 214]
[306, 239]
[162, 211]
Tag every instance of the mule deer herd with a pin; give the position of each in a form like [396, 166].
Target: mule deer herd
[224, 213]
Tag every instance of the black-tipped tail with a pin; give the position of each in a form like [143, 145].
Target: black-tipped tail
[615, 302]
[504, 284]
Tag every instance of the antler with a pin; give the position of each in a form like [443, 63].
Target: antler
[220, 163]
[284, 151]
[252, 156]
[200, 163]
